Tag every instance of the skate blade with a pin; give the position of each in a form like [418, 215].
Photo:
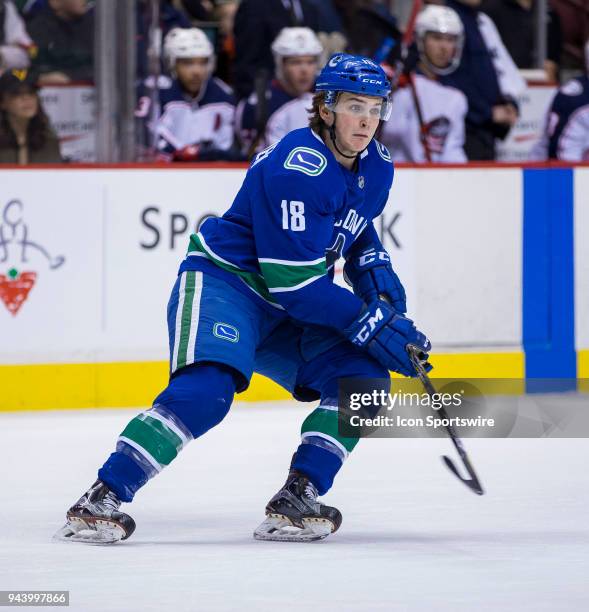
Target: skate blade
[90, 531]
[279, 528]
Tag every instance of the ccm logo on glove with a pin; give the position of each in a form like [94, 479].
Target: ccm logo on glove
[369, 327]
[373, 256]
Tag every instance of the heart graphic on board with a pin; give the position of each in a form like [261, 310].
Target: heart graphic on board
[15, 288]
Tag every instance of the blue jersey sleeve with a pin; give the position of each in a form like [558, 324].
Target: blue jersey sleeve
[293, 226]
[367, 239]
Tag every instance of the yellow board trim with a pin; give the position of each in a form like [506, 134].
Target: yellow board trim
[583, 370]
[136, 384]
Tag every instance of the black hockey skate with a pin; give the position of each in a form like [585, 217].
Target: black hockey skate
[295, 515]
[95, 518]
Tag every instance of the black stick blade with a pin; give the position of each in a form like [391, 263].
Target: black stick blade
[473, 483]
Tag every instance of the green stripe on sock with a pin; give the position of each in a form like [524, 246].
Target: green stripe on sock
[152, 435]
[284, 275]
[325, 422]
[186, 320]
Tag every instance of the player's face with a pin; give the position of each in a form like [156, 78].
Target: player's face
[192, 73]
[300, 73]
[440, 48]
[357, 121]
[21, 106]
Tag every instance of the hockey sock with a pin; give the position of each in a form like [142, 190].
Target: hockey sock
[197, 398]
[322, 450]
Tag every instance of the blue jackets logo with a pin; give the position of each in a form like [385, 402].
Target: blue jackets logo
[305, 160]
[226, 332]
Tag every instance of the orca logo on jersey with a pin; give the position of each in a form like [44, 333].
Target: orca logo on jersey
[305, 160]
[383, 151]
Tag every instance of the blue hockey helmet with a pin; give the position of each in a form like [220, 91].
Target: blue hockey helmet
[354, 74]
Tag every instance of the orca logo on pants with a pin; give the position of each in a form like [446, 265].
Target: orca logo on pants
[226, 332]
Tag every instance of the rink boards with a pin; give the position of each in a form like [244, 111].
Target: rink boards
[495, 261]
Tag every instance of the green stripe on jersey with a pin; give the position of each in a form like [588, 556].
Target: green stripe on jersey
[290, 275]
[325, 422]
[155, 437]
[251, 279]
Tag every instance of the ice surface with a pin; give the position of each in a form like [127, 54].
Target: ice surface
[413, 537]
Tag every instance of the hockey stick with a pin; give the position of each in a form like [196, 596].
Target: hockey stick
[260, 86]
[473, 482]
[407, 40]
[421, 121]
[399, 68]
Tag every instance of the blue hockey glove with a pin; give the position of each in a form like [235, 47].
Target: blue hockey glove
[385, 335]
[371, 275]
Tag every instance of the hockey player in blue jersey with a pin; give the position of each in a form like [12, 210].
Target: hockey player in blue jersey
[256, 293]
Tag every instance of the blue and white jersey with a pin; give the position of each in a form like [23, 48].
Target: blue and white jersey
[284, 114]
[566, 132]
[297, 212]
[184, 120]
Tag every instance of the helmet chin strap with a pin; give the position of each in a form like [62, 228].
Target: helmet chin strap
[333, 140]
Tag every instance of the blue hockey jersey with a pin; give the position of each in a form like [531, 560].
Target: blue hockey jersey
[297, 212]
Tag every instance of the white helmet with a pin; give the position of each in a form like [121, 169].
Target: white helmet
[443, 20]
[293, 42]
[186, 43]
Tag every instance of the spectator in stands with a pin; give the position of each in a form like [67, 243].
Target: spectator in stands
[331, 36]
[286, 102]
[370, 28]
[197, 109]
[224, 14]
[257, 24]
[489, 79]
[15, 43]
[28, 8]
[25, 134]
[516, 22]
[427, 120]
[566, 131]
[64, 35]
[201, 10]
[574, 19]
